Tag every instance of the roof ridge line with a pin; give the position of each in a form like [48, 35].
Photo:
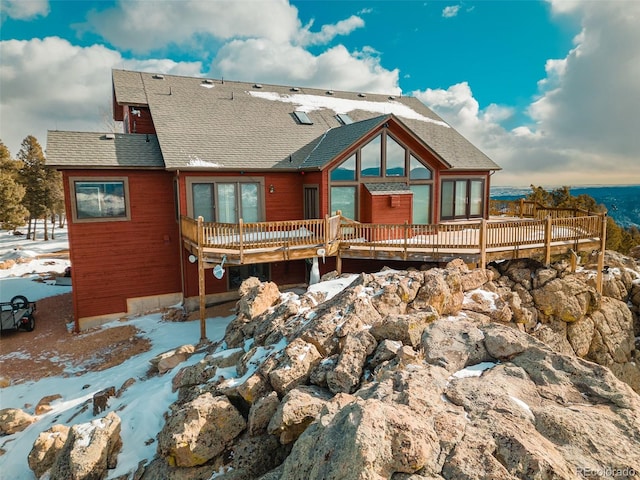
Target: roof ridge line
[324, 135]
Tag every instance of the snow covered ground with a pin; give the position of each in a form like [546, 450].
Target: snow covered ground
[19, 279]
[142, 405]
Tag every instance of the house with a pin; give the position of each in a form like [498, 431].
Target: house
[240, 153]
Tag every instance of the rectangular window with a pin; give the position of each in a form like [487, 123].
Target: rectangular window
[421, 203]
[344, 199]
[203, 201]
[226, 199]
[100, 200]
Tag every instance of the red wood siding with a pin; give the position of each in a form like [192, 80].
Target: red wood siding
[140, 122]
[391, 208]
[113, 261]
[285, 203]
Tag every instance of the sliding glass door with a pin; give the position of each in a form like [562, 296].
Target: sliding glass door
[462, 198]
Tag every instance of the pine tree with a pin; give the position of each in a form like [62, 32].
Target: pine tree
[12, 213]
[33, 176]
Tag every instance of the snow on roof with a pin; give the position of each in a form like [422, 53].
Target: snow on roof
[195, 161]
[309, 103]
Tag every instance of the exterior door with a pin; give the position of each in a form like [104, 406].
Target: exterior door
[311, 202]
[462, 198]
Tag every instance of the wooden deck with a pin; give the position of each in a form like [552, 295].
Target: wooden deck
[518, 230]
[476, 242]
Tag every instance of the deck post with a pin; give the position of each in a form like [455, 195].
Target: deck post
[547, 240]
[240, 235]
[339, 263]
[521, 207]
[603, 246]
[483, 243]
[406, 239]
[201, 282]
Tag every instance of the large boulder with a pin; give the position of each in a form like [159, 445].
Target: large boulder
[256, 297]
[46, 448]
[567, 299]
[13, 420]
[366, 439]
[298, 360]
[297, 410]
[442, 290]
[355, 349]
[454, 344]
[89, 451]
[396, 290]
[199, 431]
[404, 328]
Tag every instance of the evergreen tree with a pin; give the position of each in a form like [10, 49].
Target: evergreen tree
[12, 213]
[33, 176]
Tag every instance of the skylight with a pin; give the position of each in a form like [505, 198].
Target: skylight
[302, 118]
[344, 119]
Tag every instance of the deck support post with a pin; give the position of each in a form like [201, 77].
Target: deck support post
[240, 236]
[201, 282]
[574, 261]
[547, 241]
[339, 263]
[483, 243]
[406, 240]
[603, 246]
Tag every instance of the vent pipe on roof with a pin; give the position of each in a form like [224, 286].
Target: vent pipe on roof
[109, 136]
[158, 76]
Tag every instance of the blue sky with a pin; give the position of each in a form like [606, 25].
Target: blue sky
[549, 89]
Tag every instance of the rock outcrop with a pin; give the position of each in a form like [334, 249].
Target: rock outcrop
[515, 371]
[519, 370]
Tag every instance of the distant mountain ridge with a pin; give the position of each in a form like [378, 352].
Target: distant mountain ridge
[621, 201]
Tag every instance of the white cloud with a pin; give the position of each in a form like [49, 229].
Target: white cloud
[49, 84]
[450, 11]
[140, 27]
[336, 68]
[584, 122]
[329, 32]
[25, 9]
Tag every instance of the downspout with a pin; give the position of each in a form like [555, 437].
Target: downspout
[182, 273]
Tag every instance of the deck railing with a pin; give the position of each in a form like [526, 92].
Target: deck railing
[261, 235]
[530, 209]
[479, 237]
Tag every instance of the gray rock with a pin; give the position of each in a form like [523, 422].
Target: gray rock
[89, 451]
[297, 410]
[199, 431]
[454, 344]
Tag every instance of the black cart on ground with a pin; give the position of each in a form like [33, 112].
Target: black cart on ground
[17, 314]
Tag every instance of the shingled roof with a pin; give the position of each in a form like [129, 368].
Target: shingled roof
[104, 150]
[215, 124]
